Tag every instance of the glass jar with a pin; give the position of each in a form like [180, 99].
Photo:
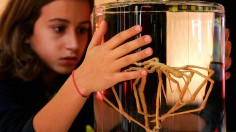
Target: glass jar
[185, 88]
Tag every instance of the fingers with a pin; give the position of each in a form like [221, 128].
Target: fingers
[132, 58]
[123, 36]
[98, 35]
[228, 48]
[228, 59]
[124, 76]
[131, 46]
[228, 62]
[121, 52]
[227, 33]
[227, 75]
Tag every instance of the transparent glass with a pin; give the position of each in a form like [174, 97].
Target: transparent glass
[185, 88]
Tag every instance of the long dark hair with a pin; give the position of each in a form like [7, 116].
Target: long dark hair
[17, 60]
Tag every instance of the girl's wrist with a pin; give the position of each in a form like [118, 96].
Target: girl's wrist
[78, 89]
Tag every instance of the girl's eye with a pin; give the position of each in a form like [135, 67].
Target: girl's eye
[59, 29]
[82, 30]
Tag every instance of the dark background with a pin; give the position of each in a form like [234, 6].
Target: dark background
[230, 88]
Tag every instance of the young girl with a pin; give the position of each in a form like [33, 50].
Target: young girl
[42, 43]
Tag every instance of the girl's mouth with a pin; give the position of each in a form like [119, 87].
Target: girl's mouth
[69, 61]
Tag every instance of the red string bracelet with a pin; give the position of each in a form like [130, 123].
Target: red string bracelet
[77, 89]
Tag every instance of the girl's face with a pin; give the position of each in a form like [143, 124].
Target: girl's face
[61, 34]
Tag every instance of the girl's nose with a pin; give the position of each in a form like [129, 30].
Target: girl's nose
[72, 43]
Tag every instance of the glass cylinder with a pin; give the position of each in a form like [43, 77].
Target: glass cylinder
[184, 90]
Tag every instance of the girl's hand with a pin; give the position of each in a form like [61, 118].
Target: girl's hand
[228, 60]
[103, 62]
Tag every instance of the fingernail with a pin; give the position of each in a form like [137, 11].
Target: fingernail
[147, 38]
[138, 28]
[148, 51]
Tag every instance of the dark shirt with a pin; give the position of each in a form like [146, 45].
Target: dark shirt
[20, 101]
